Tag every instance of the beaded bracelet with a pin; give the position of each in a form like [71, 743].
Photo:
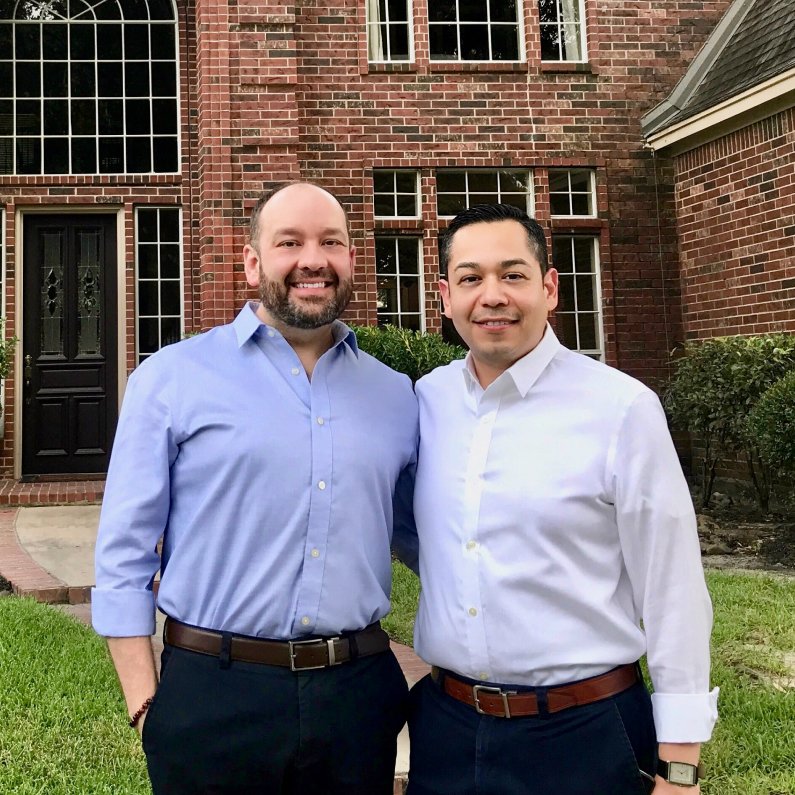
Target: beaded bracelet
[145, 706]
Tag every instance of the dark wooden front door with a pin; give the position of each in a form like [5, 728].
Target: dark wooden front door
[69, 385]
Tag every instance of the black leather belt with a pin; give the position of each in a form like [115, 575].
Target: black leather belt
[297, 655]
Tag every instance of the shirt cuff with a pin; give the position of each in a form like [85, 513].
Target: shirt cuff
[685, 717]
[125, 613]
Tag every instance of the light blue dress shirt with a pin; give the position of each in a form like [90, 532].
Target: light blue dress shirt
[274, 494]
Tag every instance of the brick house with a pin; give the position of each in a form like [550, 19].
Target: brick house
[729, 126]
[136, 134]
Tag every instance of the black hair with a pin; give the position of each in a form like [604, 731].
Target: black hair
[490, 213]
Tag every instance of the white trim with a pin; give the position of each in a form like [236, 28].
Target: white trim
[570, 193]
[530, 203]
[582, 32]
[420, 276]
[756, 103]
[19, 285]
[395, 194]
[409, 21]
[136, 242]
[521, 55]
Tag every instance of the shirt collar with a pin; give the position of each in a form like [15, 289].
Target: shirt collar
[524, 372]
[247, 324]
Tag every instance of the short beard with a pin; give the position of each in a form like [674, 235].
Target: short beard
[275, 297]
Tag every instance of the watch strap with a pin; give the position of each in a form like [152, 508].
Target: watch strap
[683, 774]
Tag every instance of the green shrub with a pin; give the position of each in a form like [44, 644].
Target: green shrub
[772, 422]
[7, 346]
[406, 351]
[715, 386]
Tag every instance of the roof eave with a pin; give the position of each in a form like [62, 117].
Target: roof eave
[759, 102]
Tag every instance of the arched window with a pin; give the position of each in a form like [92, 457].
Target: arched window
[88, 87]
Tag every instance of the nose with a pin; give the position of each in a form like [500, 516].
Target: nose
[492, 292]
[312, 256]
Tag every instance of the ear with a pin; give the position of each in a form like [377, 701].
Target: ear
[251, 265]
[444, 290]
[352, 254]
[551, 288]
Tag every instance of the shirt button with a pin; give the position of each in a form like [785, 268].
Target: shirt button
[271, 332]
[305, 620]
[320, 421]
[295, 371]
[473, 611]
[315, 553]
[483, 675]
[471, 544]
[321, 484]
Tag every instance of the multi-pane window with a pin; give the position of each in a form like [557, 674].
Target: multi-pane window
[399, 282]
[388, 30]
[395, 194]
[473, 30]
[579, 324]
[562, 30]
[457, 190]
[571, 192]
[88, 87]
[159, 282]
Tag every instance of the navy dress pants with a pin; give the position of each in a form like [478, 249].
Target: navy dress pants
[597, 749]
[257, 729]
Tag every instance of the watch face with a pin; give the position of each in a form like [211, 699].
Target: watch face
[681, 773]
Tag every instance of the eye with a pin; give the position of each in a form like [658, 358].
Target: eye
[287, 243]
[514, 277]
[333, 243]
[469, 279]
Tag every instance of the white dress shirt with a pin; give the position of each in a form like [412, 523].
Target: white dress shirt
[553, 518]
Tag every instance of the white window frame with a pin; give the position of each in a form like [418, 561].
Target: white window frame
[520, 50]
[419, 275]
[158, 280]
[371, 25]
[599, 352]
[96, 136]
[395, 193]
[583, 39]
[571, 193]
[529, 193]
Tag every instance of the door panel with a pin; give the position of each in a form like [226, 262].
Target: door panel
[69, 388]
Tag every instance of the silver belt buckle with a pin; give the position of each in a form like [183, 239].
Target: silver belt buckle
[329, 642]
[476, 689]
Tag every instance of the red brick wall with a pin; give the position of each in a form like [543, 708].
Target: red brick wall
[274, 91]
[305, 102]
[735, 202]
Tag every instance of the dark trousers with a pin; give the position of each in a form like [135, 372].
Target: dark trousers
[597, 749]
[262, 729]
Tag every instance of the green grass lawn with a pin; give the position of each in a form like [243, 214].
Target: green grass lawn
[63, 722]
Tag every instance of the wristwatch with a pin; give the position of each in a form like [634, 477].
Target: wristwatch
[680, 773]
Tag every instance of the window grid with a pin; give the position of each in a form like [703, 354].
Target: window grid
[458, 189]
[562, 30]
[396, 191]
[466, 28]
[66, 109]
[579, 312]
[399, 297]
[389, 39]
[572, 192]
[158, 284]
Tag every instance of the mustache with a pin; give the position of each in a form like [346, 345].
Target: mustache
[326, 274]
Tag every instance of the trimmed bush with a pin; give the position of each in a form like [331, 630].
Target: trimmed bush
[715, 386]
[406, 351]
[772, 422]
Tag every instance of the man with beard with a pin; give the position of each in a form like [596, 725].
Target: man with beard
[250, 450]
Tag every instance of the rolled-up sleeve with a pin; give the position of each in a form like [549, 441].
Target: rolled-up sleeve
[659, 541]
[135, 508]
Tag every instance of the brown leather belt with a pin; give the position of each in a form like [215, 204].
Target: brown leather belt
[512, 704]
[298, 655]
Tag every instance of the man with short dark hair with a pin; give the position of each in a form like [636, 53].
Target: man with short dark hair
[557, 546]
[250, 449]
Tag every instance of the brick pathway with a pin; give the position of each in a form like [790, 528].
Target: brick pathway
[71, 492]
